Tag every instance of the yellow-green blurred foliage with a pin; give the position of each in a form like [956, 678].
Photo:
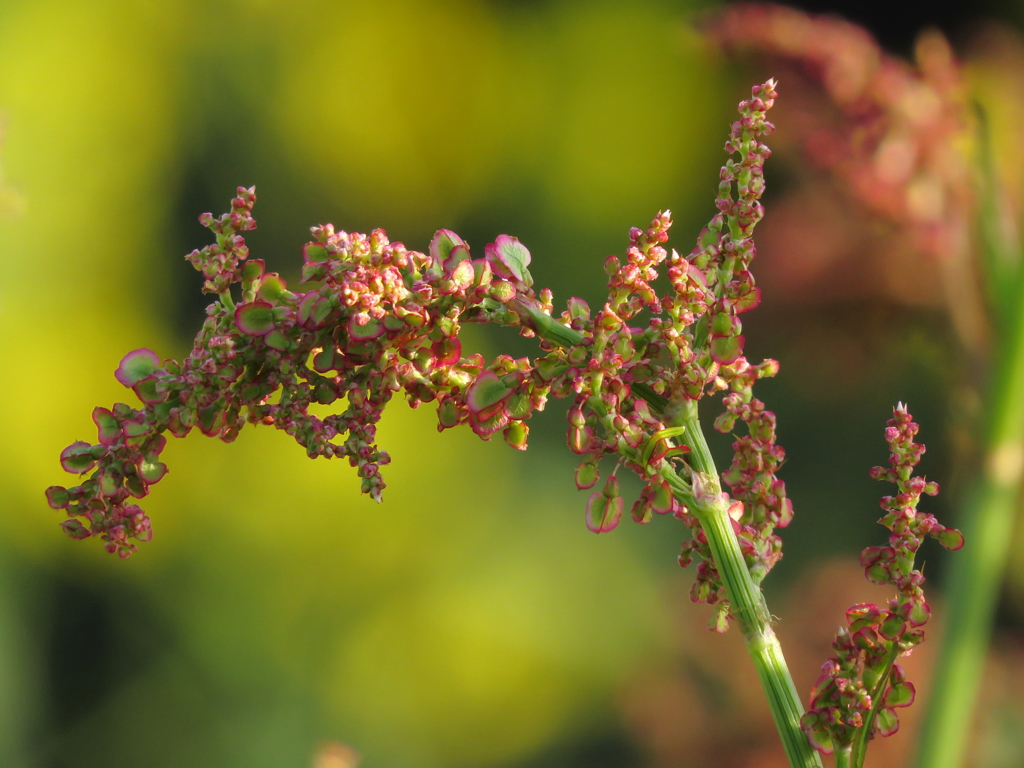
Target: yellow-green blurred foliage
[468, 620]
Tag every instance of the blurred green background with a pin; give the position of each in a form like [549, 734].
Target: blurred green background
[469, 620]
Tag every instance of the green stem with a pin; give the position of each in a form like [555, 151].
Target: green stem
[860, 744]
[545, 325]
[977, 572]
[745, 597]
[1000, 252]
[843, 753]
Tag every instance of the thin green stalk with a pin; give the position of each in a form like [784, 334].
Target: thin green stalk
[860, 744]
[975, 577]
[843, 754]
[747, 602]
[745, 597]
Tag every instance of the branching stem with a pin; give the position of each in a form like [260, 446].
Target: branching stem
[745, 597]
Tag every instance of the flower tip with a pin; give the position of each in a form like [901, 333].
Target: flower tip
[516, 435]
[603, 512]
[486, 394]
[367, 331]
[587, 475]
[887, 722]
[509, 259]
[75, 529]
[77, 458]
[726, 349]
[817, 736]
[951, 539]
[107, 428]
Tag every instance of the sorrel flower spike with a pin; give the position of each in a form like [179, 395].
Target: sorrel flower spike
[862, 686]
[374, 319]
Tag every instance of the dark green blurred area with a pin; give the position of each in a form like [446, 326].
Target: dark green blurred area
[471, 619]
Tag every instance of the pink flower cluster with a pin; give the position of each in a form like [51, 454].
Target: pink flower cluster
[718, 287]
[862, 686]
[374, 319]
[751, 477]
[128, 456]
[219, 262]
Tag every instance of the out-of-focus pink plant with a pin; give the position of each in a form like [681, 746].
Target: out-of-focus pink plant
[899, 137]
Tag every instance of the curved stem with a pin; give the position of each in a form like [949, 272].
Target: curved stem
[747, 601]
[711, 508]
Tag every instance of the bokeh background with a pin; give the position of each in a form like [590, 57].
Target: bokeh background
[470, 620]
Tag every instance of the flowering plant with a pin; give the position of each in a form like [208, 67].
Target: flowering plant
[862, 686]
[916, 146]
[373, 319]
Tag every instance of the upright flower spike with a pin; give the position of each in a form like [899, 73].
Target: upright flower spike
[713, 286]
[371, 318]
[862, 686]
[221, 263]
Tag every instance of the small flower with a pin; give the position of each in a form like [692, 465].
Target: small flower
[604, 508]
[509, 259]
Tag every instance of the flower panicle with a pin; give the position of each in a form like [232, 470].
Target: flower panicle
[373, 319]
[861, 687]
[714, 285]
[370, 319]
